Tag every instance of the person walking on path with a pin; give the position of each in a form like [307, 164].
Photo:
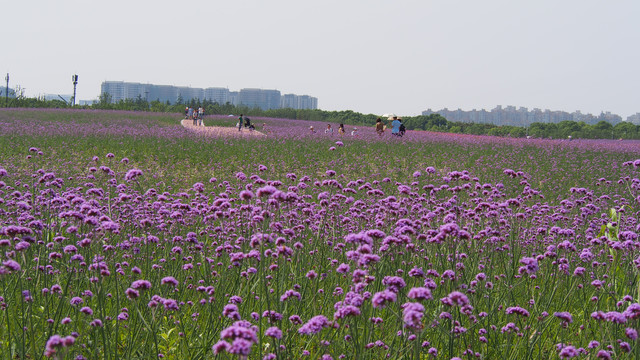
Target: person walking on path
[395, 126]
[379, 127]
[240, 122]
[200, 116]
[190, 115]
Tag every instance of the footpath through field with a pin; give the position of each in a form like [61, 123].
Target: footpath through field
[219, 130]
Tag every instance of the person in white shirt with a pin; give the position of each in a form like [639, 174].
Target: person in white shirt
[200, 116]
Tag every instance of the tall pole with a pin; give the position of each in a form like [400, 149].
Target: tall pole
[74, 78]
[6, 92]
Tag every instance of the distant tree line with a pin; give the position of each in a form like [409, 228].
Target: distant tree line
[432, 122]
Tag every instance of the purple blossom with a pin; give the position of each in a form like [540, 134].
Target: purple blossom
[394, 283]
[615, 317]
[603, 354]
[517, 310]
[458, 298]
[412, 314]
[169, 280]
[11, 265]
[564, 316]
[76, 301]
[530, 265]
[624, 346]
[290, 293]
[314, 325]
[141, 285]
[347, 310]
[274, 332]
[239, 331]
[56, 343]
[568, 352]
[170, 304]
[266, 191]
[220, 346]
[343, 268]
[230, 310]
[380, 299]
[86, 310]
[420, 293]
[132, 174]
[132, 293]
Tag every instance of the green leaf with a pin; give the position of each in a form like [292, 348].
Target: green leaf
[603, 230]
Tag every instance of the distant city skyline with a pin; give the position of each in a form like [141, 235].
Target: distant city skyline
[264, 99]
[522, 116]
[632, 117]
[372, 56]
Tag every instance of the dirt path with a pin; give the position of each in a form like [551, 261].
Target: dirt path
[219, 131]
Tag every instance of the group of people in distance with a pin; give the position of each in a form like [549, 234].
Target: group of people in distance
[329, 130]
[195, 115]
[244, 121]
[397, 127]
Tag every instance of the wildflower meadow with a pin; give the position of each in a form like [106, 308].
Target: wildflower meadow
[127, 236]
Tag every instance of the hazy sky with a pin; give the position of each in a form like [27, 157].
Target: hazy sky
[370, 56]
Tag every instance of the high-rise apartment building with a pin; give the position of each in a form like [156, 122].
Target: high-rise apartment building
[162, 93]
[635, 118]
[115, 89]
[217, 95]
[289, 101]
[134, 90]
[258, 98]
[189, 93]
[307, 102]
[294, 101]
[234, 97]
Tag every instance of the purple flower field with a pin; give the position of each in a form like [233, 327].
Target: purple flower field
[125, 236]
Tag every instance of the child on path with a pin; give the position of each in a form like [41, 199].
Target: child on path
[193, 114]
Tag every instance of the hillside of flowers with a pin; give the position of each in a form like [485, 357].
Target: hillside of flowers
[126, 236]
